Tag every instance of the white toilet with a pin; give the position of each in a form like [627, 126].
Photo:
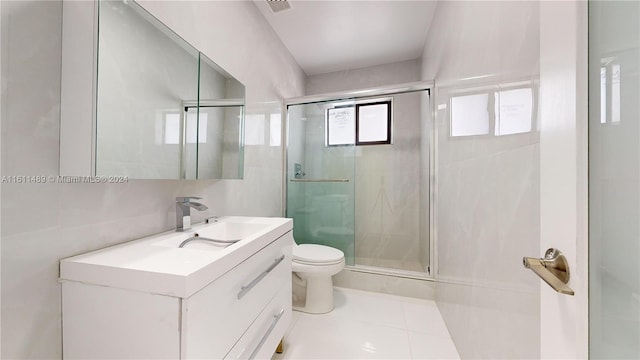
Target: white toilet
[313, 267]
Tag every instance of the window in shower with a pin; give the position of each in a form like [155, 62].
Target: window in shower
[373, 123]
[341, 129]
[367, 123]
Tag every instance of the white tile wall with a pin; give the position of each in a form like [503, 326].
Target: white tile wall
[364, 78]
[43, 223]
[488, 187]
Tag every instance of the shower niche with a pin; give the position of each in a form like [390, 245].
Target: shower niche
[139, 101]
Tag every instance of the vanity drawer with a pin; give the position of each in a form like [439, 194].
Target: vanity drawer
[262, 338]
[215, 318]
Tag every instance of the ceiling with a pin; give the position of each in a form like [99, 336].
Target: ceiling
[326, 36]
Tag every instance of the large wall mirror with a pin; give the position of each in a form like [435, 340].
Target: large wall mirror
[163, 110]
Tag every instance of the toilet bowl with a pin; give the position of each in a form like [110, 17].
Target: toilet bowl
[313, 267]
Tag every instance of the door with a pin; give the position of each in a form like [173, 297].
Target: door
[595, 197]
[320, 174]
[563, 174]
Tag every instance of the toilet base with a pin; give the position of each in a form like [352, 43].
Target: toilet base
[318, 297]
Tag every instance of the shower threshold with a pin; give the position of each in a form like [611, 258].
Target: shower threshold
[409, 274]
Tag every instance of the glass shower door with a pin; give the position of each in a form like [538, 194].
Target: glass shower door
[320, 176]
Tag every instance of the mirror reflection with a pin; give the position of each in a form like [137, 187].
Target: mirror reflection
[164, 110]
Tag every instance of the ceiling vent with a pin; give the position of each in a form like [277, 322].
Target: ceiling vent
[278, 5]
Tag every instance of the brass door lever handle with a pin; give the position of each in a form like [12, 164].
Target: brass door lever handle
[553, 269]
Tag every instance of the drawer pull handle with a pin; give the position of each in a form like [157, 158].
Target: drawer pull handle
[245, 289]
[276, 318]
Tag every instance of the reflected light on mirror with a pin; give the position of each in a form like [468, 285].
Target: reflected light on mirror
[196, 130]
[615, 93]
[254, 129]
[610, 92]
[603, 95]
[275, 134]
[369, 347]
[172, 128]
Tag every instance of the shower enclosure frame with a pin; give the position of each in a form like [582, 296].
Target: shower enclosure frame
[380, 91]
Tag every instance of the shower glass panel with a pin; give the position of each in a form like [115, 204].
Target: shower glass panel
[614, 179]
[370, 200]
[320, 177]
[392, 190]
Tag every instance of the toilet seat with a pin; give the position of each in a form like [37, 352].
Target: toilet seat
[312, 254]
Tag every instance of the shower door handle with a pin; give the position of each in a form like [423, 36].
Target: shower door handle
[553, 269]
[319, 180]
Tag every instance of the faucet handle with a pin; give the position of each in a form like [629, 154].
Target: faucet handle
[183, 199]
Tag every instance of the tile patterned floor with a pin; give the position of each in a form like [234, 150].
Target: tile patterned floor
[367, 325]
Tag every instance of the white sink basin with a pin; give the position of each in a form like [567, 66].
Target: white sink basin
[157, 265]
[175, 241]
[225, 231]
[230, 231]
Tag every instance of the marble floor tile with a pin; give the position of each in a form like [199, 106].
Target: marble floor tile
[368, 307]
[425, 346]
[423, 316]
[367, 325]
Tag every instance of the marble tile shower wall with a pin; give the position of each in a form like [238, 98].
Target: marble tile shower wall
[488, 185]
[388, 192]
[387, 178]
[42, 223]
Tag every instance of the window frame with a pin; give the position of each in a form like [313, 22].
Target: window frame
[389, 123]
[356, 105]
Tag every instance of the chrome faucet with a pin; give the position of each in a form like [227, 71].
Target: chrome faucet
[183, 211]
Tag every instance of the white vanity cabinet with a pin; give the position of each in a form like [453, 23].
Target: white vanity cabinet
[216, 317]
[241, 314]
